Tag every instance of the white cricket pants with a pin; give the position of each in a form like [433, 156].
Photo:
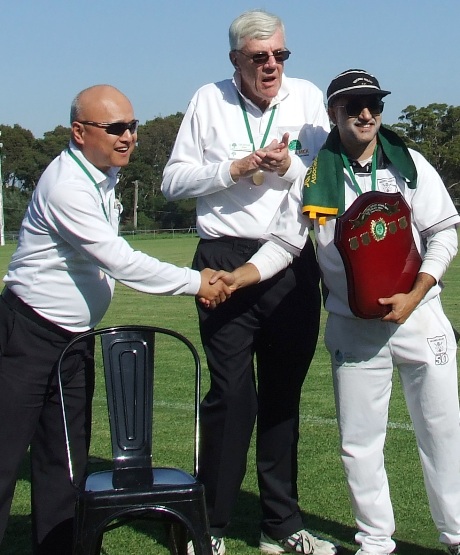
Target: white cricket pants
[363, 354]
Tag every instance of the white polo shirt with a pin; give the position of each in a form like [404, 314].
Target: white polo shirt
[213, 134]
[69, 252]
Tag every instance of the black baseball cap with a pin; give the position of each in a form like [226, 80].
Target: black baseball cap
[354, 82]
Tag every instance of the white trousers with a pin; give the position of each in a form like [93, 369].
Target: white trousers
[363, 355]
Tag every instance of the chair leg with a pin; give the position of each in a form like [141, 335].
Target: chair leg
[88, 544]
[177, 538]
[198, 529]
[88, 547]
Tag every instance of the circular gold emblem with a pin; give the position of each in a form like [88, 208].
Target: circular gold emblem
[378, 229]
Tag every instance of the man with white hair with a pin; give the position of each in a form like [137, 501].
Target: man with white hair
[242, 144]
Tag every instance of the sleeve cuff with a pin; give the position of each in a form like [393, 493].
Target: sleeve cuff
[270, 259]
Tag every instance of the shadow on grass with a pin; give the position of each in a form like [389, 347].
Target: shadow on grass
[245, 526]
[344, 535]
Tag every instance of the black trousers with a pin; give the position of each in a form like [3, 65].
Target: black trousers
[30, 416]
[277, 323]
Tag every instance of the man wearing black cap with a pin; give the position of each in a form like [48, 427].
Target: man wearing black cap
[385, 228]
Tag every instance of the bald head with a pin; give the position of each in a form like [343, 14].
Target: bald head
[94, 98]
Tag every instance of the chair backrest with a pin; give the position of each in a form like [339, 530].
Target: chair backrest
[128, 354]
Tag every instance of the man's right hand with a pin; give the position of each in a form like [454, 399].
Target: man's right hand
[245, 167]
[274, 157]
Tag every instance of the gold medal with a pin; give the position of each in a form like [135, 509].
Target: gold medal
[258, 178]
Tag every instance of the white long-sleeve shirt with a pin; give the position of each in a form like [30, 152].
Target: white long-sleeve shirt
[213, 134]
[69, 253]
[434, 222]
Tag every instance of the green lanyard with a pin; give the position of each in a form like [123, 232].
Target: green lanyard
[351, 173]
[85, 169]
[248, 128]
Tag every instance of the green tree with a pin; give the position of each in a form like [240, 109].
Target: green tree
[434, 131]
[46, 149]
[24, 159]
[450, 150]
[18, 160]
[15, 203]
[155, 142]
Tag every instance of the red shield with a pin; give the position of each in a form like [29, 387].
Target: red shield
[374, 238]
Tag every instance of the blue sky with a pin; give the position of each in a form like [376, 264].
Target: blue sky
[159, 53]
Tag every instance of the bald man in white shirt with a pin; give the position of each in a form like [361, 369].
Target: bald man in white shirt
[59, 283]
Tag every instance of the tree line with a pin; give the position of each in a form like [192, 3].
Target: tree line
[433, 130]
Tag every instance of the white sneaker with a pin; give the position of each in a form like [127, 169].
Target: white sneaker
[299, 542]
[217, 546]
[362, 552]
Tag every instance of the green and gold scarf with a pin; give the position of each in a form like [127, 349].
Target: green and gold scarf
[324, 190]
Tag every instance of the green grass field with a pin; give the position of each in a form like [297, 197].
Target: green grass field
[322, 489]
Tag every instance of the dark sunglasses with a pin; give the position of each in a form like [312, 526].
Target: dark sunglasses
[116, 128]
[260, 58]
[356, 106]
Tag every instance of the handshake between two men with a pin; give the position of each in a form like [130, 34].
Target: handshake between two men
[218, 285]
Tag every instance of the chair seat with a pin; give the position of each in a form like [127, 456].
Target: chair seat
[162, 477]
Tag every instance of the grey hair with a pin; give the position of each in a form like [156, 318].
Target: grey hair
[253, 24]
[75, 108]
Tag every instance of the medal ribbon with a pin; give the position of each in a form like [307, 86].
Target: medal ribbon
[351, 173]
[93, 181]
[248, 128]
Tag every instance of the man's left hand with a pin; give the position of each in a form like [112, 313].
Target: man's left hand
[402, 305]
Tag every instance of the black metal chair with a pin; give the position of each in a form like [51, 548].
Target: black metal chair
[133, 488]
